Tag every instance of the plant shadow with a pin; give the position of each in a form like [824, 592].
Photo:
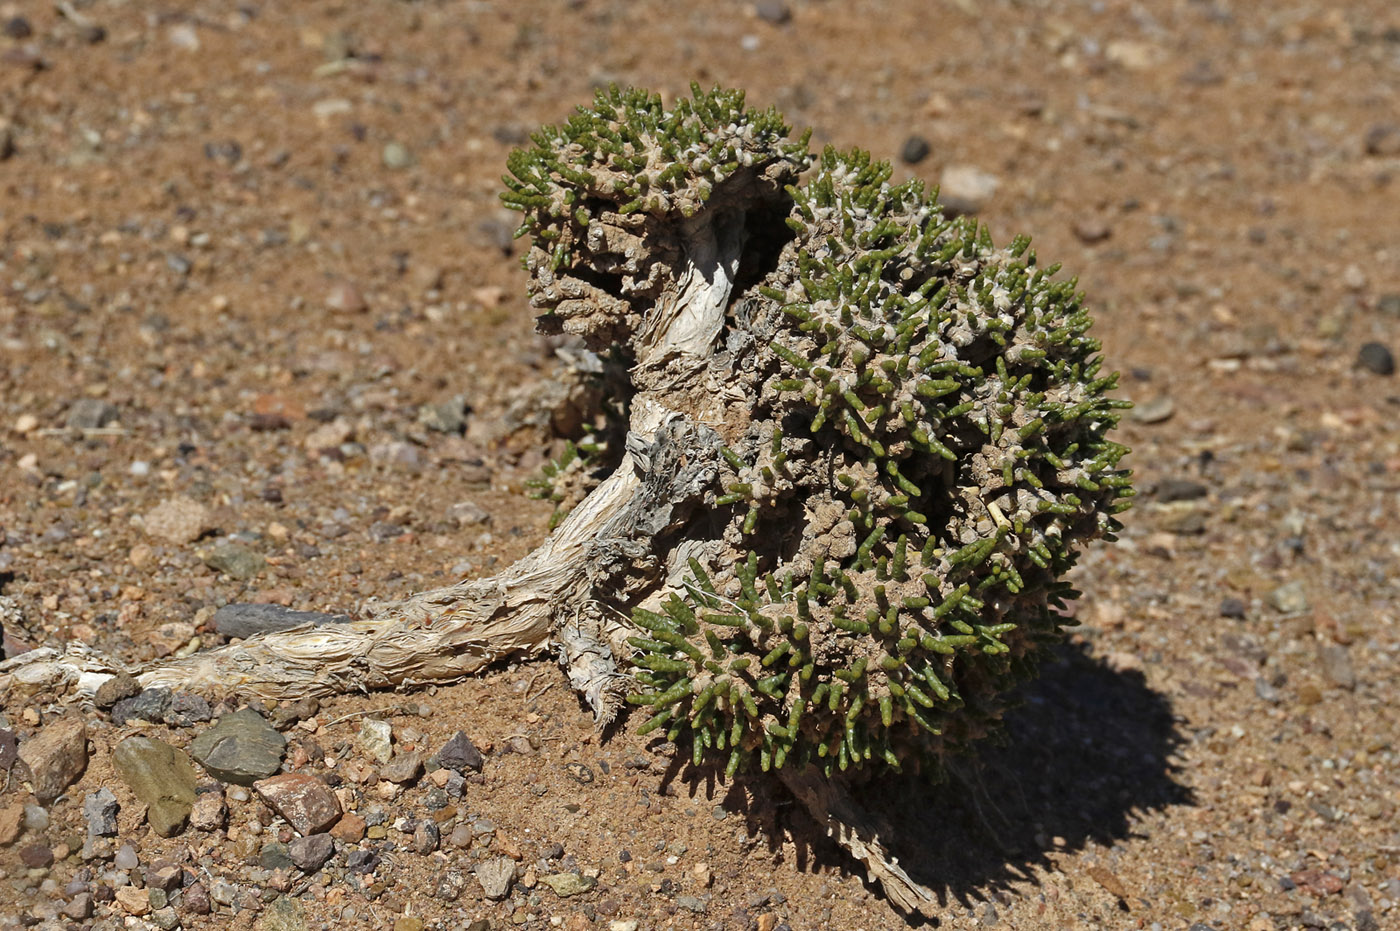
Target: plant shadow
[1086, 753]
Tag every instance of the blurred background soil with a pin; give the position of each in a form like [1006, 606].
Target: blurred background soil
[263, 338]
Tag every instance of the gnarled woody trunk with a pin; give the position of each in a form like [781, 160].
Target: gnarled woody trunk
[448, 633]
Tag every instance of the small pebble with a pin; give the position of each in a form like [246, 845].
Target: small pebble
[397, 156]
[36, 856]
[344, 297]
[1158, 410]
[100, 810]
[1376, 358]
[235, 561]
[1289, 598]
[1383, 139]
[1266, 691]
[964, 189]
[1336, 665]
[914, 150]
[56, 756]
[1232, 608]
[208, 811]
[376, 740]
[460, 754]
[404, 768]
[17, 27]
[178, 520]
[426, 837]
[91, 414]
[126, 858]
[1092, 230]
[773, 11]
[306, 802]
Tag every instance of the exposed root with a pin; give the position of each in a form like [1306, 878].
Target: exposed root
[859, 834]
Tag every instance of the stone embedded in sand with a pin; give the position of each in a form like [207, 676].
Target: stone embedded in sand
[306, 802]
[310, 853]
[376, 740]
[404, 768]
[966, 188]
[235, 561]
[56, 756]
[242, 748]
[284, 914]
[100, 809]
[460, 754]
[567, 884]
[11, 824]
[350, 828]
[496, 876]
[209, 811]
[134, 901]
[159, 775]
[178, 520]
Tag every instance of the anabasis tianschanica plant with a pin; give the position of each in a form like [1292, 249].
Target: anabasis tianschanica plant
[903, 429]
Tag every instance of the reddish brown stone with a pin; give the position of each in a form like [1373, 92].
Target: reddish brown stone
[350, 828]
[56, 756]
[307, 803]
[11, 823]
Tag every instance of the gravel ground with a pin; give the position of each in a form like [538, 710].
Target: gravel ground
[263, 339]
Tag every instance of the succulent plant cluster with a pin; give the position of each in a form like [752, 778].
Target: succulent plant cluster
[926, 448]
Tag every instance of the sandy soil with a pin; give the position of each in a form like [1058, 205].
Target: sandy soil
[243, 246]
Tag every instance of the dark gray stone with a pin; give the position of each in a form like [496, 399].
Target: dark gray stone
[187, 709]
[773, 11]
[275, 856]
[1180, 489]
[147, 705]
[1376, 357]
[460, 754]
[1232, 608]
[17, 27]
[364, 861]
[245, 620]
[914, 150]
[242, 748]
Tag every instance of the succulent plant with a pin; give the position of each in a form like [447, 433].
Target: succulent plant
[904, 437]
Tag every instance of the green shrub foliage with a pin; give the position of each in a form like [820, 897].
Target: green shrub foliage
[926, 453]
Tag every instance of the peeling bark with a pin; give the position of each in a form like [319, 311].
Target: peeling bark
[833, 807]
